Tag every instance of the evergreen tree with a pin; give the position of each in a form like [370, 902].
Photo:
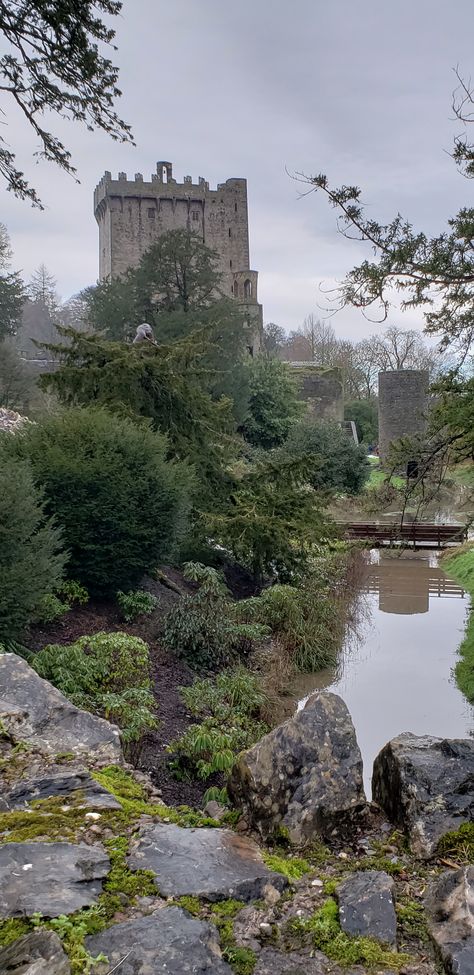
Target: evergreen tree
[166, 384]
[51, 63]
[339, 464]
[122, 504]
[12, 292]
[273, 521]
[42, 289]
[31, 555]
[274, 406]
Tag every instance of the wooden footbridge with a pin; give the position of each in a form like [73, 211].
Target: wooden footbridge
[418, 534]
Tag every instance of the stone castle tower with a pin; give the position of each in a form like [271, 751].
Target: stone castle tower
[133, 214]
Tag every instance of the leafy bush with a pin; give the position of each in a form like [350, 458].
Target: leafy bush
[31, 556]
[72, 592]
[107, 480]
[343, 466]
[230, 706]
[201, 627]
[136, 603]
[51, 608]
[53, 605]
[108, 674]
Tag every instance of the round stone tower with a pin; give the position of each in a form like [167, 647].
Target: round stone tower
[403, 405]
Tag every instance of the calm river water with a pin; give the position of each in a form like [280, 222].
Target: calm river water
[396, 675]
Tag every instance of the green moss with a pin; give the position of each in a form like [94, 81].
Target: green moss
[11, 929]
[241, 960]
[318, 854]
[225, 909]
[132, 798]
[326, 935]
[121, 880]
[121, 783]
[190, 904]
[459, 844]
[291, 867]
[330, 887]
[378, 863]
[411, 918]
[62, 758]
[46, 820]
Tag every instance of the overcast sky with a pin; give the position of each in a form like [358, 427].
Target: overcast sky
[358, 89]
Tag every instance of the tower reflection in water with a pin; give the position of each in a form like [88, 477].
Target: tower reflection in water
[405, 584]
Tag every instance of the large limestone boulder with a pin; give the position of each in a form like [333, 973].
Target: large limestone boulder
[305, 775]
[449, 906]
[38, 953]
[425, 786]
[168, 941]
[210, 863]
[34, 711]
[50, 878]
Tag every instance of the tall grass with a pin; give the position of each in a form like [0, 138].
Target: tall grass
[460, 565]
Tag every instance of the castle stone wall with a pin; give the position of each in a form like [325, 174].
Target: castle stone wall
[132, 214]
[321, 389]
[403, 405]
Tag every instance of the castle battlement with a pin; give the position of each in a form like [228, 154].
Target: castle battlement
[161, 182]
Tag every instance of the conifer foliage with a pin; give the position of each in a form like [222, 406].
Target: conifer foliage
[31, 555]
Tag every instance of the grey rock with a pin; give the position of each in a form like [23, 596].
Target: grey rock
[37, 953]
[210, 863]
[449, 906]
[34, 711]
[168, 941]
[62, 784]
[305, 775]
[425, 786]
[52, 878]
[366, 906]
[272, 962]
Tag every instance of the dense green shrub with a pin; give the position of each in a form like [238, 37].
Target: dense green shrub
[136, 603]
[121, 503]
[202, 628]
[108, 674]
[31, 557]
[274, 406]
[230, 709]
[343, 466]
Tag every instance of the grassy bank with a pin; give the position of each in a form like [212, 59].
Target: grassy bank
[460, 565]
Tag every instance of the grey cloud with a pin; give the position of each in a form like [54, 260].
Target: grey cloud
[361, 91]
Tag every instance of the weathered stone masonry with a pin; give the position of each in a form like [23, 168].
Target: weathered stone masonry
[133, 214]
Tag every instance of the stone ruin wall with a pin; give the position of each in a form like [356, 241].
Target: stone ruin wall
[403, 405]
[321, 389]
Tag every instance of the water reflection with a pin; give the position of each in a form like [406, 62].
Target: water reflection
[407, 592]
[397, 675]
